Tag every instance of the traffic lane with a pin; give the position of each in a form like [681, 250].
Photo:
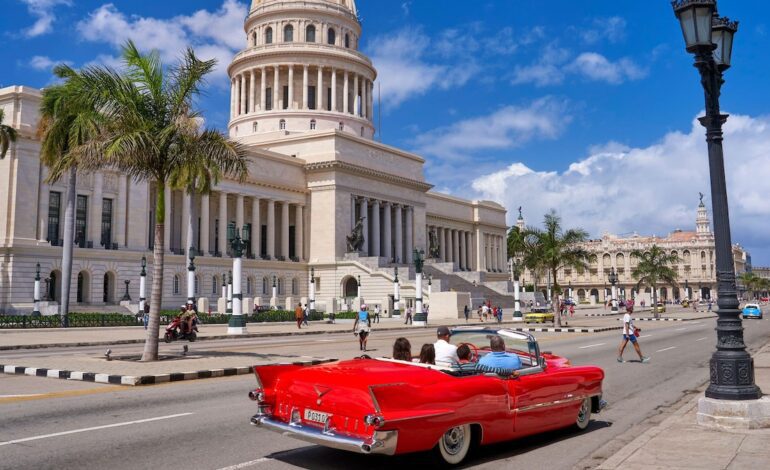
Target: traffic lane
[27, 387]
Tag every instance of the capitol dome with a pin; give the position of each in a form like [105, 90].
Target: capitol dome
[301, 71]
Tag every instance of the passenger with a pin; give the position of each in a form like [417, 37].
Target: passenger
[428, 354]
[445, 352]
[498, 358]
[464, 354]
[402, 350]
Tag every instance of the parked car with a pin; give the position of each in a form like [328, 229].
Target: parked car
[752, 311]
[392, 407]
[660, 308]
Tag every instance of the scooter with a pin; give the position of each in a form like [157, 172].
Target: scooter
[174, 331]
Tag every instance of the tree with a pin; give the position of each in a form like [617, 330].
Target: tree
[7, 135]
[752, 283]
[154, 135]
[652, 267]
[552, 249]
[68, 120]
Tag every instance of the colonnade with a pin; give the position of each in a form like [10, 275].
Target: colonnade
[388, 228]
[495, 253]
[212, 238]
[455, 246]
[262, 89]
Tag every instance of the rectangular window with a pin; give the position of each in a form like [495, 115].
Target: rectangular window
[285, 97]
[106, 240]
[268, 99]
[81, 218]
[328, 99]
[54, 214]
[311, 99]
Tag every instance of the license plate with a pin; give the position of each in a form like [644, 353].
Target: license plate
[316, 416]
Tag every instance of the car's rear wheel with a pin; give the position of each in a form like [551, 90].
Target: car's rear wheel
[454, 445]
[584, 414]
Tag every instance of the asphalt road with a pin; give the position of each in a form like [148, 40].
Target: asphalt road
[46, 423]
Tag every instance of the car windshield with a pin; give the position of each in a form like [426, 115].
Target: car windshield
[752, 306]
[515, 342]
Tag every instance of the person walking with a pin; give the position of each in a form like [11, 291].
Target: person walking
[408, 316]
[629, 334]
[376, 314]
[305, 316]
[571, 310]
[467, 312]
[146, 316]
[299, 315]
[361, 327]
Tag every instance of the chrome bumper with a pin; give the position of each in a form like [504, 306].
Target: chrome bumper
[383, 442]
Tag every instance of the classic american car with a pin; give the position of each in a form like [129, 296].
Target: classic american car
[387, 406]
[538, 317]
[752, 311]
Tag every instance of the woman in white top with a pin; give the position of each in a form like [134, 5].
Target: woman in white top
[629, 335]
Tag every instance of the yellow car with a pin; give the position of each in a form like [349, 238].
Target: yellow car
[660, 308]
[685, 303]
[538, 317]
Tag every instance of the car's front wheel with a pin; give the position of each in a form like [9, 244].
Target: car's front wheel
[454, 445]
[584, 414]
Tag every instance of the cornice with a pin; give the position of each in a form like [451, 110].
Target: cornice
[337, 165]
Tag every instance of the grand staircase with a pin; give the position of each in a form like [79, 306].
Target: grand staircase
[479, 292]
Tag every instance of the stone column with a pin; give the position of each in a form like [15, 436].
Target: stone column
[319, 89]
[449, 248]
[263, 89]
[304, 86]
[371, 101]
[256, 229]
[365, 100]
[42, 207]
[442, 244]
[409, 238]
[364, 214]
[233, 91]
[205, 224]
[222, 248]
[375, 228]
[468, 251]
[253, 91]
[355, 95]
[387, 238]
[346, 93]
[486, 264]
[243, 94]
[270, 229]
[291, 87]
[95, 210]
[285, 229]
[334, 90]
[186, 203]
[399, 255]
[276, 84]
[167, 216]
[299, 239]
[239, 212]
[352, 212]
[455, 248]
[121, 213]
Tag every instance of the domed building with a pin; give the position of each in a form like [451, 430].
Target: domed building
[302, 101]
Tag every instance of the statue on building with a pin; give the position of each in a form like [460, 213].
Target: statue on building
[356, 238]
[433, 246]
[701, 198]
[419, 260]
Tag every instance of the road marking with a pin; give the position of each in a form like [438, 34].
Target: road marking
[61, 394]
[325, 340]
[680, 329]
[592, 345]
[250, 463]
[701, 339]
[645, 336]
[665, 349]
[95, 428]
[23, 396]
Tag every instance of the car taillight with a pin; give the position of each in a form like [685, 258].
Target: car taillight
[374, 420]
[257, 395]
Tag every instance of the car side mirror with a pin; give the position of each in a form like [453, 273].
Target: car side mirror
[542, 362]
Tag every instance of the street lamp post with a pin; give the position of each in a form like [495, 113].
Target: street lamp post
[36, 310]
[613, 278]
[274, 300]
[710, 39]
[230, 293]
[143, 285]
[430, 286]
[191, 279]
[312, 290]
[396, 293]
[358, 288]
[237, 323]
[224, 291]
[515, 264]
[420, 318]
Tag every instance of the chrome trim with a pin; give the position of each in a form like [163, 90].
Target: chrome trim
[549, 403]
[381, 442]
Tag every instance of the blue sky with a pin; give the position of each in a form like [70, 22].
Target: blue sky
[586, 107]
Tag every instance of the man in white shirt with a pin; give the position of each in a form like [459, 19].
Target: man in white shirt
[628, 335]
[445, 352]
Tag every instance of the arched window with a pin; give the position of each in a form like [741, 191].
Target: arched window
[310, 33]
[282, 124]
[176, 284]
[288, 33]
[269, 36]
[312, 124]
[342, 126]
[294, 289]
[331, 38]
[362, 131]
[214, 285]
[249, 282]
[347, 40]
[265, 285]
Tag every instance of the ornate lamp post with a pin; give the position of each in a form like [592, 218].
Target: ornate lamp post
[230, 293]
[396, 293]
[36, 299]
[312, 290]
[430, 286]
[358, 288]
[126, 296]
[515, 271]
[191, 279]
[224, 291]
[275, 292]
[143, 285]
[613, 278]
[237, 324]
[710, 39]
[420, 318]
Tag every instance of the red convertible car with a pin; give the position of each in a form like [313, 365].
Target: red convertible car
[387, 406]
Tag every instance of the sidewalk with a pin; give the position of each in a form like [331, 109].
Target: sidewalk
[679, 443]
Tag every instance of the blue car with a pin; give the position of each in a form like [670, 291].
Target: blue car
[752, 311]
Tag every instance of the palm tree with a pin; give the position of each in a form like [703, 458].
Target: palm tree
[553, 248]
[7, 135]
[155, 135]
[751, 282]
[652, 267]
[68, 120]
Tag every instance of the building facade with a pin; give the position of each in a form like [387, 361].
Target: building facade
[695, 271]
[302, 102]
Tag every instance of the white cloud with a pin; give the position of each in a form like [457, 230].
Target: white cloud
[554, 65]
[40, 62]
[613, 29]
[651, 190]
[216, 34]
[43, 11]
[598, 68]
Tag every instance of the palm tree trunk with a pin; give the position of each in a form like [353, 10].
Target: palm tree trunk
[555, 300]
[156, 297]
[655, 300]
[68, 242]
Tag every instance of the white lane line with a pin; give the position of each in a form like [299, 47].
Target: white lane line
[645, 336]
[22, 396]
[95, 428]
[592, 345]
[325, 340]
[665, 349]
[701, 339]
[250, 463]
[680, 329]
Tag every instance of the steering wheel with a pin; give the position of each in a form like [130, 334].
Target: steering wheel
[474, 351]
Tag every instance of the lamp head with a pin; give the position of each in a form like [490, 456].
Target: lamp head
[695, 19]
[722, 33]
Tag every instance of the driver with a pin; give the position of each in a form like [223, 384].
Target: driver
[498, 358]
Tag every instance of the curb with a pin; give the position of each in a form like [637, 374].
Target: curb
[134, 380]
[569, 330]
[672, 319]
